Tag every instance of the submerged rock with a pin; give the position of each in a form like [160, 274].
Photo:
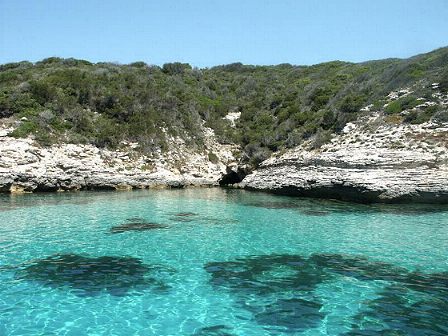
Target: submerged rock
[90, 276]
[358, 267]
[428, 283]
[293, 314]
[137, 226]
[273, 204]
[185, 214]
[315, 212]
[398, 311]
[260, 284]
[216, 330]
[411, 303]
[184, 217]
[266, 274]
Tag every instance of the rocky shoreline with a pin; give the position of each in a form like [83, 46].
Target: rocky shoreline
[25, 166]
[371, 161]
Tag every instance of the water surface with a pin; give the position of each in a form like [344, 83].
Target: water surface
[219, 262]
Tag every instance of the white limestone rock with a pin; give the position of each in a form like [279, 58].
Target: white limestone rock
[25, 166]
[371, 161]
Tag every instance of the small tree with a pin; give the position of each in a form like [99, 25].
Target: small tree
[443, 83]
[175, 68]
[352, 103]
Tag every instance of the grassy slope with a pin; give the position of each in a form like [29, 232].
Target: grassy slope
[76, 101]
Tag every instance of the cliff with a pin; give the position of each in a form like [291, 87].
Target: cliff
[25, 166]
[370, 161]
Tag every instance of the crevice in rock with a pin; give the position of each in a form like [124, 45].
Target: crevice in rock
[98, 187]
[234, 175]
[46, 188]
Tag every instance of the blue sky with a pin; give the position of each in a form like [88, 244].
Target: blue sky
[210, 32]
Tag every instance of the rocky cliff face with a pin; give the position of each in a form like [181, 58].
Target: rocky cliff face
[371, 161]
[25, 166]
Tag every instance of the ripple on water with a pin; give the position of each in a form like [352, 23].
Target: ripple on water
[283, 266]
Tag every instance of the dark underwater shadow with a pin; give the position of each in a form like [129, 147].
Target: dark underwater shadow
[263, 285]
[188, 217]
[137, 224]
[216, 330]
[395, 313]
[91, 276]
[183, 216]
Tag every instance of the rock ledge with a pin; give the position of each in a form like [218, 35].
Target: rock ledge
[371, 161]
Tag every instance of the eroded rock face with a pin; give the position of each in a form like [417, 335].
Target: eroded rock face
[371, 161]
[25, 166]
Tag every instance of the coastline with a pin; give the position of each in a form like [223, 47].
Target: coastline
[369, 162]
[26, 166]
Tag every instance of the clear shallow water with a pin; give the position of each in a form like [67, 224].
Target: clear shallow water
[219, 262]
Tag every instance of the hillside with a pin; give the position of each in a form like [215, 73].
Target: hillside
[368, 132]
[263, 109]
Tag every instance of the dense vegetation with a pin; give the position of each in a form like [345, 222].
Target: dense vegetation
[76, 101]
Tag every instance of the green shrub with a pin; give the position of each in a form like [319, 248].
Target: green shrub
[105, 103]
[175, 68]
[24, 129]
[443, 82]
[393, 107]
[212, 157]
[320, 97]
[321, 138]
[419, 116]
[408, 102]
[328, 119]
[441, 116]
[352, 103]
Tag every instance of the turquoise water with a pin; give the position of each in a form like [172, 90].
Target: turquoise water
[219, 262]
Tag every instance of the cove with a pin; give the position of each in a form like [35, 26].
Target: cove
[220, 262]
